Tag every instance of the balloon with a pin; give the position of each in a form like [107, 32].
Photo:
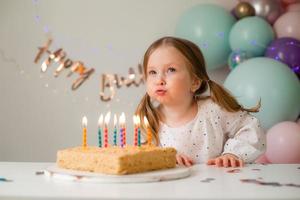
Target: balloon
[287, 25]
[208, 26]
[237, 57]
[262, 159]
[286, 50]
[251, 34]
[270, 10]
[283, 143]
[293, 7]
[286, 3]
[273, 82]
[243, 9]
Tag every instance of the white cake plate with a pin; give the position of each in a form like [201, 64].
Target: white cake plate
[152, 176]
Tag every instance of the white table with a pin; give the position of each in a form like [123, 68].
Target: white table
[26, 184]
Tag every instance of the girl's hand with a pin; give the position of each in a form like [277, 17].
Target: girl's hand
[226, 160]
[184, 160]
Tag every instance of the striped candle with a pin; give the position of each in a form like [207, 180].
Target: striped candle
[100, 124]
[106, 121]
[115, 130]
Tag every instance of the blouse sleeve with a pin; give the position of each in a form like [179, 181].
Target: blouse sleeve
[245, 137]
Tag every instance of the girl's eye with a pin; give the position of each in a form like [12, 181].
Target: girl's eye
[152, 72]
[171, 69]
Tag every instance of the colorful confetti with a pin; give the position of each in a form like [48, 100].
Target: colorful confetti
[234, 171]
[207, 180]
[39, 173]
[275, 184]
[2, 179]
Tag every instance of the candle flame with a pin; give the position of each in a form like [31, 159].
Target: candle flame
[100, 120]
[107, 118]
[134, 120]
[146, 121]
[122, 119]
[84, 121]
[138, 120]
[115, 120]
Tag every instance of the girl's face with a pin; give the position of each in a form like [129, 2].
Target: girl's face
[168, 78]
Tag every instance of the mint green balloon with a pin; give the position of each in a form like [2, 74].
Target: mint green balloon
[208, 26]
[273, 82]
[251, 34]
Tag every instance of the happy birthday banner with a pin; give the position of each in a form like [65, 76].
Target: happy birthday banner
[108, 81]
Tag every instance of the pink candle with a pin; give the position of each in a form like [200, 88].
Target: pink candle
[124, 130]
[121, 124]
[106, 121]
[135, 140]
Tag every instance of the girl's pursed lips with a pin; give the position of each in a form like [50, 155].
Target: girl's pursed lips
[160, 92]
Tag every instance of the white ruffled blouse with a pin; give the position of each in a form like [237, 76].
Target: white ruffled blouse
[215, 131]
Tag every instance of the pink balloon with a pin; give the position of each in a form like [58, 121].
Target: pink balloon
[283, 143]
[262, 159]
[289, 1]
[287, 25]
[293, 7]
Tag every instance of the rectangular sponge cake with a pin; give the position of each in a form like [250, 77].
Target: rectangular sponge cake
[117, 160]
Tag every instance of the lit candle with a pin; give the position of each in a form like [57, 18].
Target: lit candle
[139, 130]
[121, 124]
[115, 129]
[149, 134]
[124, 130]
[84, 124]
[100, 125]
[135, 140]
[106, 121]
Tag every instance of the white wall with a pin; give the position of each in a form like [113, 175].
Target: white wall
[39, 113]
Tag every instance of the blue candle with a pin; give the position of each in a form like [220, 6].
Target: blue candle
[139, 136]
[115, 136]
[115, 130]
[100, 137]
[138, 122]
[100, 123]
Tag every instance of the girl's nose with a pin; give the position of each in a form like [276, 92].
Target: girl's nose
[161, 80]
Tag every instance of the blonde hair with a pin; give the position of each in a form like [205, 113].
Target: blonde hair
[197, 68]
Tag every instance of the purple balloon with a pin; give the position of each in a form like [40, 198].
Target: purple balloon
[286, 50]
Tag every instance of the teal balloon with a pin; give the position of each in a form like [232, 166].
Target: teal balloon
[251, 34]
[273, 82]
[208, 26]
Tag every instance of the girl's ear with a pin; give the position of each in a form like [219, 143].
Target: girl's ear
[196, 84]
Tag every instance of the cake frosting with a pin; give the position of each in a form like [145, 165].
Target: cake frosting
[117, 160]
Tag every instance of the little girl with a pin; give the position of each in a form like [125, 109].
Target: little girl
[212, 129]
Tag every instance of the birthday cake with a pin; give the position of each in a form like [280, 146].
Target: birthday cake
[117, 160]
